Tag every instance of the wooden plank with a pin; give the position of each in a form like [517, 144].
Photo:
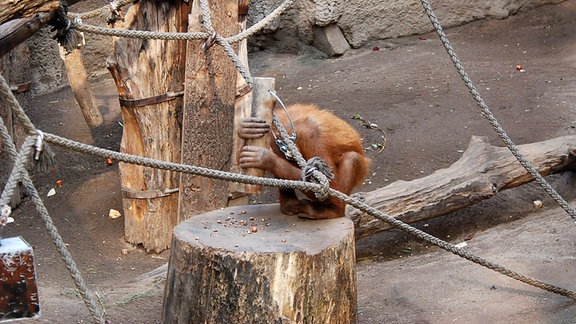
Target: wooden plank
[144, 69]
[208, 111]
[481, 172]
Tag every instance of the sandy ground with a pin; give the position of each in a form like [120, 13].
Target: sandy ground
[410, 89]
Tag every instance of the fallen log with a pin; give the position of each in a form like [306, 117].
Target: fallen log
[481, 172]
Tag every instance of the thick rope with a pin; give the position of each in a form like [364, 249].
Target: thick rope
[490, 116]
[168, 35]
[84, 148]
[299, 185]
[207, 23]
[304, 186]
[19, 173]
[450, 247]
[100, 12]
[17, 110]
[171, 166]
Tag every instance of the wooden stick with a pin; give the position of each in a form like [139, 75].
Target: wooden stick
[263, 107]
[78, 80]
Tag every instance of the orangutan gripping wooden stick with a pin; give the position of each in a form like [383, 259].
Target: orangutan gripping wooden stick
[319, 133]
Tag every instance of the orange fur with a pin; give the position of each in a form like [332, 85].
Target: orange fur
[318, 133]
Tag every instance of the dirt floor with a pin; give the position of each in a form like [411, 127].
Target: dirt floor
[408, 88]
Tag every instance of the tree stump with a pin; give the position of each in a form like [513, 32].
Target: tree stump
[253, 264]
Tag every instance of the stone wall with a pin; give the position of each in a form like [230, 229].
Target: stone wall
[362, 21]
[333, 26]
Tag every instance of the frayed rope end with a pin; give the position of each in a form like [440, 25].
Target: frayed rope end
[42, 157]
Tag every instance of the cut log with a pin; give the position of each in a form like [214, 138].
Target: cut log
[253, 264]
[149, 75]
[481, 172]
[208, 115]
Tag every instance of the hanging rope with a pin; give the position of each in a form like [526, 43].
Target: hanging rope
[19, 173]
[490, 116]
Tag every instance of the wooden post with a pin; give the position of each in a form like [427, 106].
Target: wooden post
[253, 264]
[262, 106]
[242, 108]
[149, 76]
[78, 80]
[208, 111]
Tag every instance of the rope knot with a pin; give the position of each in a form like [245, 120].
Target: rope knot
[115, 13]
[317, 170]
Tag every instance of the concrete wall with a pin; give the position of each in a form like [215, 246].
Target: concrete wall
[362, 21]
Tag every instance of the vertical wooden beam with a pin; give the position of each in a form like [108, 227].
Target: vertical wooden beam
[78, 80]
[208, 111]
[242, 108]
[143, 70]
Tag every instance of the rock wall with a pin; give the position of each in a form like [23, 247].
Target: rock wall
[362, 21]
[332, 26]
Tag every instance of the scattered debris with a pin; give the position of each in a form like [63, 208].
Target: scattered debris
[52, 192]
[461, 245]
[114, 214]
[538, 203]
[109, 161]
[407, 251]
[520, 69]
[374, 146]
[59, 183]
